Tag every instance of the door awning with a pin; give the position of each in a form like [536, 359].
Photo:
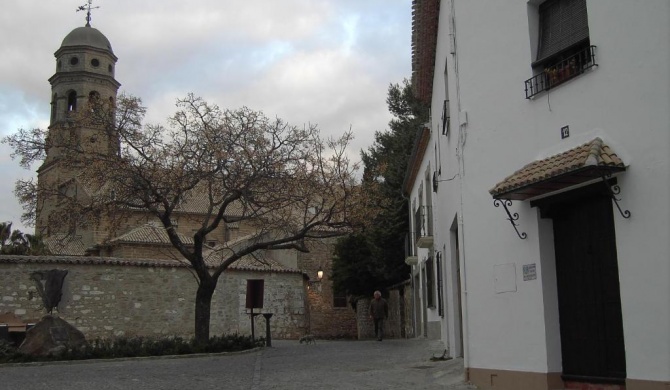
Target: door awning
[593, 160]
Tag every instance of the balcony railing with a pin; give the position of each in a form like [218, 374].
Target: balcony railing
[423, 225]
[410, 249]
[445, 118]
[561, 71]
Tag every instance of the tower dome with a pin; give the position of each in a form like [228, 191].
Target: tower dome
[87, 36]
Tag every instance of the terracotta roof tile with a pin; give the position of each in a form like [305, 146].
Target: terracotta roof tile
[65, 245]
[149, 234]
[593, 154]
[198, 203]
[260, 261]
[245, 264]
[89, 260]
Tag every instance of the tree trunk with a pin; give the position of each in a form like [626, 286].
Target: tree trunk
[203, 303]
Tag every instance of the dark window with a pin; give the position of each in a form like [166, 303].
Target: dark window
[72, 101]
[54, 102]
[94, 101]
[95, 62]
[74, 61]
[564, 49]
[339, 298]
[445, 117]
[430, 283]
[440, 298]
[564, 30]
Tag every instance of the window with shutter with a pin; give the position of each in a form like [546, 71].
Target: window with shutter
[564, 28]
[564, 50]
[430, 283]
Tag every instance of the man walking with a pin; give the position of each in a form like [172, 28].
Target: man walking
[379, 311]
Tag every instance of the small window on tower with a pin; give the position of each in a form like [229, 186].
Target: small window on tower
[94, 96]
[74, 61]
[95, 62]
[72, 101]
[94, 101]
[53, 106]
[110, 68]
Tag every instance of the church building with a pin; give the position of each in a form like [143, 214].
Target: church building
[130, 280]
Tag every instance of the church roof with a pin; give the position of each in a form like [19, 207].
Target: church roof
[150, 234]
[64, 244]
[87, 36]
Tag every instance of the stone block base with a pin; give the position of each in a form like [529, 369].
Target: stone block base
[515, 380]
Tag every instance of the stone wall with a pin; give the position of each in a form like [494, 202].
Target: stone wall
[105, 297]
[399, 323]
[325, 320]
[366, 326]
[400, 309]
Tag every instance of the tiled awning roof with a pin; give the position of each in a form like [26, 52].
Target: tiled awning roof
[575, 166]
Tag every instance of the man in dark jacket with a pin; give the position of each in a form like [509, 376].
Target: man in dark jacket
[379, 311]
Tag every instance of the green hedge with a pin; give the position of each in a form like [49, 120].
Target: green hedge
[123, 347]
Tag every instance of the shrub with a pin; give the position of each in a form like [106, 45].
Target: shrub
[137, 346]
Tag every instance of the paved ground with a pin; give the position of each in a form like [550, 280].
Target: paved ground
[390, 364]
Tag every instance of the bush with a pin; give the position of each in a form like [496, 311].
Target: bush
[137, 346]
[6, 349]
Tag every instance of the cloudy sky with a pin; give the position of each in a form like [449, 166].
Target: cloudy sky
[328, 62]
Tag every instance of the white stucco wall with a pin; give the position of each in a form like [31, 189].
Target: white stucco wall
[625, 100]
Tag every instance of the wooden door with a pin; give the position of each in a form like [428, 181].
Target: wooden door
[589, 300]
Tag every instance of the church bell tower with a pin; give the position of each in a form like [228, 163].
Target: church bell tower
[85, 68]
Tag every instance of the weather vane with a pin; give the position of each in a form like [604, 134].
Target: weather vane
[87, 8]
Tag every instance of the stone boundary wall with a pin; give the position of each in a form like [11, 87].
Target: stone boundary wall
[106, 297]
[366, 327]
[399, 323]
[326, 321]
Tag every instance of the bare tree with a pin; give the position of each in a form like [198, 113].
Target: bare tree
[238, 164]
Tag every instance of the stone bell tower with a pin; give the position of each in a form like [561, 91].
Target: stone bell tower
[85, 68]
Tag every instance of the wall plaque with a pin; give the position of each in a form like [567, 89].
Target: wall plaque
[529, 272]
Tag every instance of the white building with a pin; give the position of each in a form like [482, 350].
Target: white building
[540, 190]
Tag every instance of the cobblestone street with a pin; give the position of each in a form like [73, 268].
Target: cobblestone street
[391, 364]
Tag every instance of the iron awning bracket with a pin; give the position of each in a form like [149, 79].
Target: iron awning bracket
[512, 218]
[613, 191]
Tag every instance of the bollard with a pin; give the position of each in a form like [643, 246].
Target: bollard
[253, 315]
[268, 336]
[4, 332]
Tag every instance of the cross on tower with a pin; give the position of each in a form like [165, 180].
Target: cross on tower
[87, 7]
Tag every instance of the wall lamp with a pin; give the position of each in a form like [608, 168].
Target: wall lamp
[317, 283]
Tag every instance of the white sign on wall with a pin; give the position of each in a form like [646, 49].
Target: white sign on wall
[529, 272]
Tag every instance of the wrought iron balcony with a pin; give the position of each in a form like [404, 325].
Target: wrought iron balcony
[411, 257]
[423, 223]
[446, 118]
[561, 71]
